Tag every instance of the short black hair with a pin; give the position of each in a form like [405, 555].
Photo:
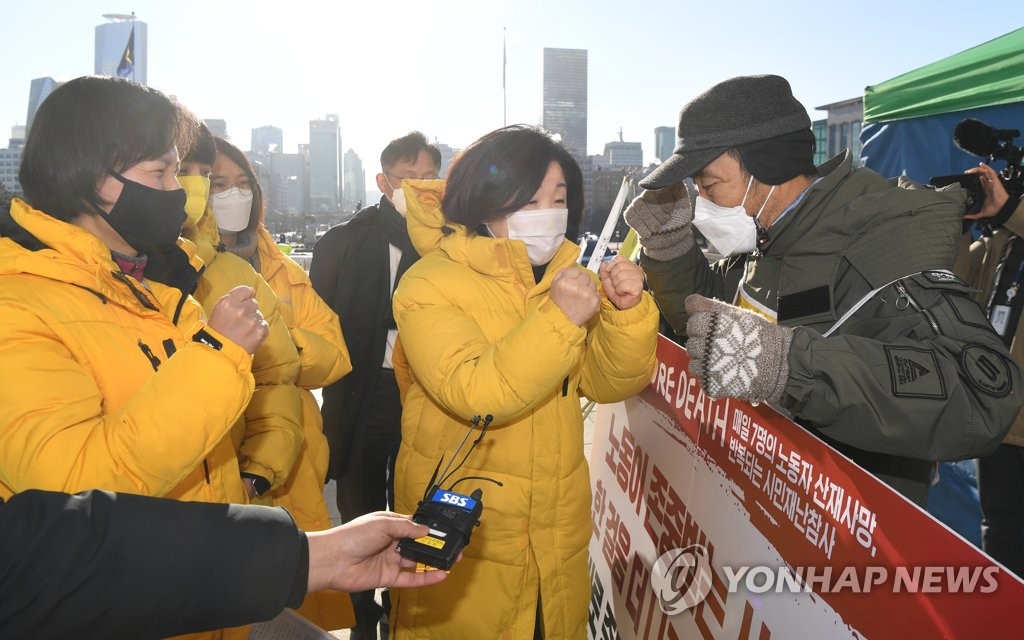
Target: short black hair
[500, 173]
[237, 156]
[407, 149]
[204, 149]
[89, 127]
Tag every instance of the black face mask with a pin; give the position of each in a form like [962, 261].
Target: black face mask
[148, 219]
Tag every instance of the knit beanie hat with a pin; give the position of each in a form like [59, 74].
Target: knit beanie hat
[730, 114]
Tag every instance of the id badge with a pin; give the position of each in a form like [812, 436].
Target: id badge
[1000, 318]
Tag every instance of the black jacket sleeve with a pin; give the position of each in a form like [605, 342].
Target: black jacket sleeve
[104, 565]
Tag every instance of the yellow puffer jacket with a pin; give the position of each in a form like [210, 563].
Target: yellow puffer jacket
[480, 337]
[103, 385]
[324, 359]
[315, 328]
[269, 437]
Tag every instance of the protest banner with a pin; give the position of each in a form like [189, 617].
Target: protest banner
[718, 519]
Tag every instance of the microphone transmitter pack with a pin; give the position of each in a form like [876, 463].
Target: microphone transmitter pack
[451, 516]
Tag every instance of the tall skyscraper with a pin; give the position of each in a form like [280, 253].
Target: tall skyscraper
[267, 139]
[565, 97]
[354, 183]
[113, 38]
[41, 87]
[664, 142]
[324, 165]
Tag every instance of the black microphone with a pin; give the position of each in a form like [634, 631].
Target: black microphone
[977, 138]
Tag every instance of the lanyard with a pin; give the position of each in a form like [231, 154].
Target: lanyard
[1014, 287]
[1003, 259]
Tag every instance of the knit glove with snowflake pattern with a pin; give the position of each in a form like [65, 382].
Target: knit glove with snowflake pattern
[736, 353]
[661, 219]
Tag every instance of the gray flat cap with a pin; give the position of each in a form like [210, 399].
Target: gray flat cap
[731, 113]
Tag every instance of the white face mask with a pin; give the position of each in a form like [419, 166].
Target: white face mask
[728, 230]
[397, 196]
[232, 209]
[543, 231]
[398, 199]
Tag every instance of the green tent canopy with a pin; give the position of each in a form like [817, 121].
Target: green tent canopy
[988, 74]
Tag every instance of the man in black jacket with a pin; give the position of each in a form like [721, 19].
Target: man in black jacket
[355, 269]
[104, 565]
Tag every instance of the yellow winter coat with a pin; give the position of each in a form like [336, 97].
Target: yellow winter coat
[324, 359]
[480, 337]
[103, 385]
[269, 438]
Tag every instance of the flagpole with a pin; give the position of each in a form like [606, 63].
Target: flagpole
[504, 92]
[133, 46]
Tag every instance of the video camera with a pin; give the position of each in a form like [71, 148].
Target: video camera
[979, 139]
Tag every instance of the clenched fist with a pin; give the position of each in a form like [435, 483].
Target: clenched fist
[622, 281]
[575, 293]
[237, 317]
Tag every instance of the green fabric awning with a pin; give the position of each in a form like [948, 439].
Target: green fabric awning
[988, 74]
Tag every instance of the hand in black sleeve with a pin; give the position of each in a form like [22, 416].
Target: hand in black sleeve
[98, 564]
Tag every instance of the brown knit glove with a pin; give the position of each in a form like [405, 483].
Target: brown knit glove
[736, 353]
[661, 219]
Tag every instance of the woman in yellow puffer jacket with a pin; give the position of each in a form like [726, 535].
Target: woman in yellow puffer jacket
[323, 356]
[269, 438]
[111, 378]
[497, 319]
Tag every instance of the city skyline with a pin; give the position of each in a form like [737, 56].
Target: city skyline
[443, 74]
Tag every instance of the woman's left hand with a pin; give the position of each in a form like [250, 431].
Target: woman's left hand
[622, 281]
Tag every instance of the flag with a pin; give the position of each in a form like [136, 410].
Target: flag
[126, 67]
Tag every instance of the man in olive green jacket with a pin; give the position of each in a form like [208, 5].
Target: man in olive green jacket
[847, 315]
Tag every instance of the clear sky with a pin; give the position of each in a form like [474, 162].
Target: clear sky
[389, 66]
